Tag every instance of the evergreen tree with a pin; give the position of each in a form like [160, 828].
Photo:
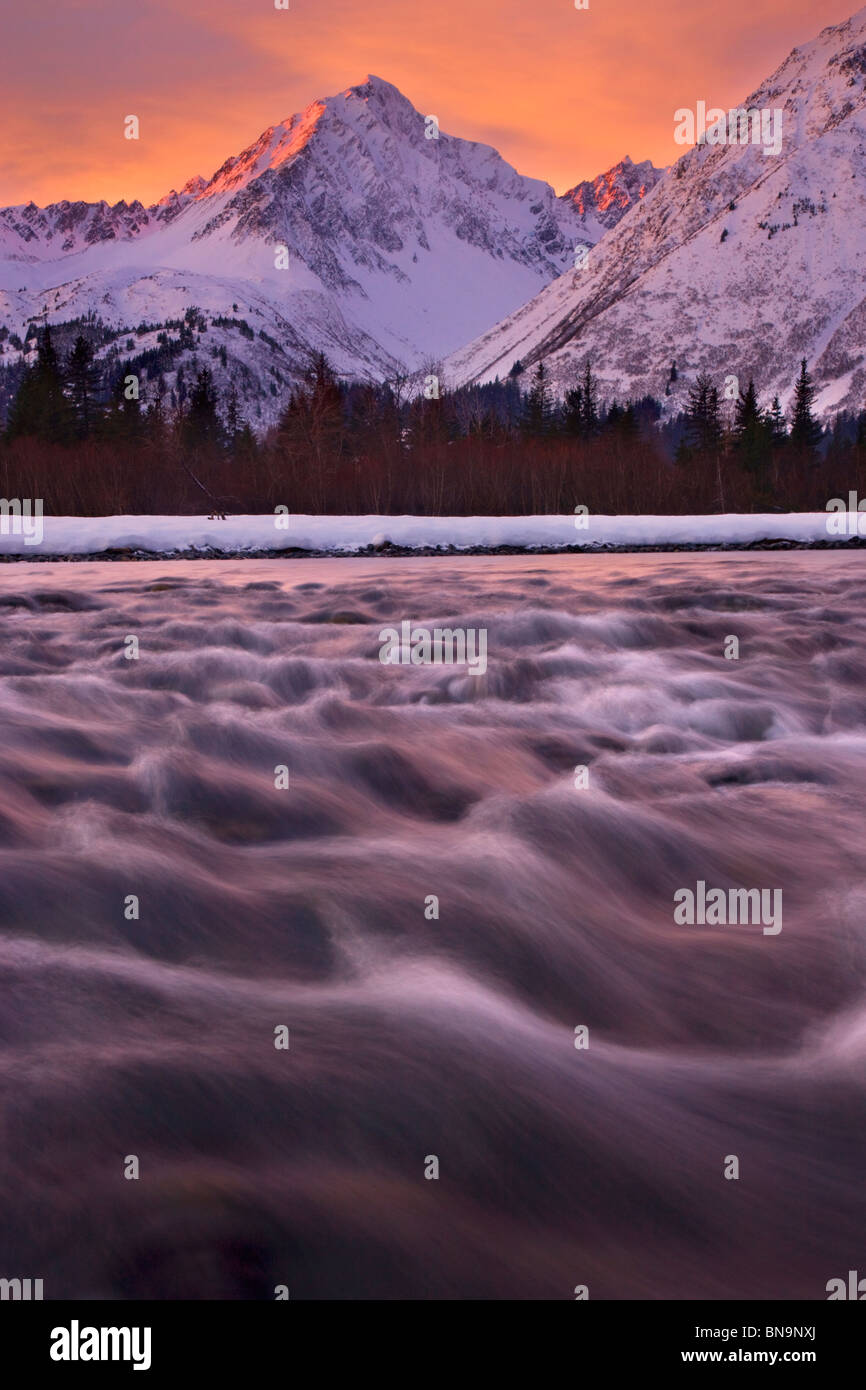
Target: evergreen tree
[239, 437]
[537, 413]
[232, 415]
[589, 406]
[839, 445]
[805, 430]
[202, 426]
[244, 445]
[703, 431]
[82, 377]
[156, 419]
[776, 424]
[124, 421]
[751, 436]
[572, 415]
[40, 409]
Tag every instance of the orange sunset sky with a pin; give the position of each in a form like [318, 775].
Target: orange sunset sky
[562, 93]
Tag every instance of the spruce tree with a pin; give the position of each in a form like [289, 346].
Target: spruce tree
[82, 377]
[839, 446]
[245, 445]
[155, 420]
[536, 415]
[572, 416]
[805, 430]
[703, 420]
[589, 408]
[776, 423]
[40, 409]
[123, 420]
[202, 426]
[751, 435]
[232, 415]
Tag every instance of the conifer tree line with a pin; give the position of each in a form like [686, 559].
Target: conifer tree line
[88, 442]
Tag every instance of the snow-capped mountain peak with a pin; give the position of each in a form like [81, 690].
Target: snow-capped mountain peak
[356, 226]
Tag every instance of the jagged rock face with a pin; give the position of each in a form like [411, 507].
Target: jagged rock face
[395, 247]
[607, 198]
[62, 228]
[359, 173]
[734, 263]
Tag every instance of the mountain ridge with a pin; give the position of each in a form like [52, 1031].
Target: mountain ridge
[395, 248]
[700, 272]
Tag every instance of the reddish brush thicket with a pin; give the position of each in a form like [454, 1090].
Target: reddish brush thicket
[459, 478]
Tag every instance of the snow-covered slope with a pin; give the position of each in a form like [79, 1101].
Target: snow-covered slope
[736, 262]
[398, 247]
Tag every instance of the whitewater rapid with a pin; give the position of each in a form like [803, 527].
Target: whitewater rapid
[151, 1032]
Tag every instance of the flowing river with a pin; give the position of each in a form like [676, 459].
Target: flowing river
[363, 980]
